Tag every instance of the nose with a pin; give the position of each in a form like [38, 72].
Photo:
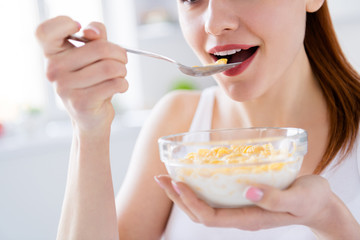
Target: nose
[220, 18]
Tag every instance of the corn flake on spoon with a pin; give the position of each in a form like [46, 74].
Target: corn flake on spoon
[195, 71]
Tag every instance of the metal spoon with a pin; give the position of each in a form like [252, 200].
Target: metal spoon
[196, 71]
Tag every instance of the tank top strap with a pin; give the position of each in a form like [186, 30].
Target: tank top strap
[203, 116]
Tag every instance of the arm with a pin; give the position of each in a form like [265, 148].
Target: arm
[142, 207]
[89, 208]
[338, 222]
[86, 78]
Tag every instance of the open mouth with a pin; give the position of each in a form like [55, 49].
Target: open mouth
[235, 55]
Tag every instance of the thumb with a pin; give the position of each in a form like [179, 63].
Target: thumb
[270, 198]
[95, 31]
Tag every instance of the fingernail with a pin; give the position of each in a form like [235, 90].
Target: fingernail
[176, 188]
[158, 182]
[94, 29]
[253, 194]
[78, 25]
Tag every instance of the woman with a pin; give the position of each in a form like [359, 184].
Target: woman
[294, 75]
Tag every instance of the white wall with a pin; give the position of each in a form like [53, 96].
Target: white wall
[346, 19]
[33, 178]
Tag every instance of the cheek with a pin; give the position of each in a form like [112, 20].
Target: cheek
[282, 32]
[193, 33]
[284, 27]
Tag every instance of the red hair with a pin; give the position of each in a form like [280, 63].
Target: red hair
[339, 81]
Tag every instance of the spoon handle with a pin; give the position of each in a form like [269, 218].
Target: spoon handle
[130, 50]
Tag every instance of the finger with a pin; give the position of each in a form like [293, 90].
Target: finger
[83, 56]
[246, 218]
[307, 195]
[90, 98]
[252, 218]
[52, 34]
[196, 206]
[89, 76]
[106, 89]
[273, 199]
[94, 31]
[165, 183]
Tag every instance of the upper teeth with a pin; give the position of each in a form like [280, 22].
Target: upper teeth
[228, 52]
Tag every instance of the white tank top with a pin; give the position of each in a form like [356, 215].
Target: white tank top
[344, 181]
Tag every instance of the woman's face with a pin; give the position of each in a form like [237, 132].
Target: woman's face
[270, 34]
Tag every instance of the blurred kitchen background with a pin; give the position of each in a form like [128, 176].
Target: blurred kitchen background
[35, 132]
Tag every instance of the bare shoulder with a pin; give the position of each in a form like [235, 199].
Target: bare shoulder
[174, 112]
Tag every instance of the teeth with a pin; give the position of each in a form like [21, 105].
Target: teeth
[228, 52]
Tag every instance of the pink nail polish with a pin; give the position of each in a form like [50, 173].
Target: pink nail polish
[94, 29]
[158, 182]
[78, 25]
[253, 194]
[176, 188]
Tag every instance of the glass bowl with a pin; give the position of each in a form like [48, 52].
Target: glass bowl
[218, 165]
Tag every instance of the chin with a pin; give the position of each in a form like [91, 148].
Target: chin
[239, 92]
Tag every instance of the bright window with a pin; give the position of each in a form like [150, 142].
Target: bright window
[24, 90]
[21, 80]
[23, 87]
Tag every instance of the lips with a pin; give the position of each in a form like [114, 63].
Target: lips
[234, 53]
